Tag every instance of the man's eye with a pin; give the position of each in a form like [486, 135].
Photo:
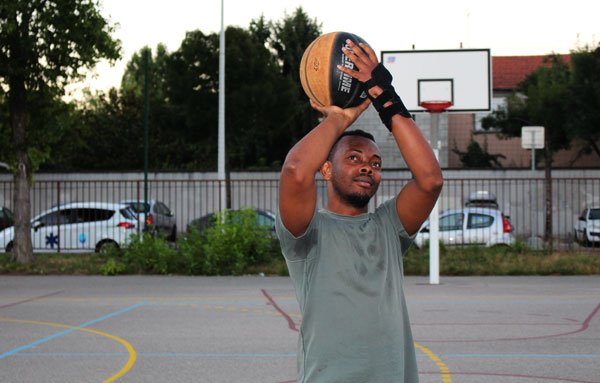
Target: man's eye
[376, 165]
[352, 157]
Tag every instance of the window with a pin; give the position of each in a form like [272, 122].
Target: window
[143, 207]
[451, 222]
[92, 215]
[594, 214]
[49, 219]
[128, 213]
[479, 221]
[161, 208]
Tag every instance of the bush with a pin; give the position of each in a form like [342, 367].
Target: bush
[234, 242]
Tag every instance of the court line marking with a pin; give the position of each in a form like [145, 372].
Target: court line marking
[444, 370]
[508, 375]
[31, 299]
[584, 326]
[130, 349]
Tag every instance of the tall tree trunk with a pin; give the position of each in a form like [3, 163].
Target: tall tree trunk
[22, 249]
[548, 187]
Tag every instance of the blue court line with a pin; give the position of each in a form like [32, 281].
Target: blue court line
[209, 355]
[520, 355]
[271, 355]
[70, 330]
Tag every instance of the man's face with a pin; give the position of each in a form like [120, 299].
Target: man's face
[356, 170]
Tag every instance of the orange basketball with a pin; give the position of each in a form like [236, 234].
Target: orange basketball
[321, 80]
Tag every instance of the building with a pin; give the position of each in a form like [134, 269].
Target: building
[457, 130]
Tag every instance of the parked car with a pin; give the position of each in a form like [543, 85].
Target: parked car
[470, 226]
[78, 226]
[587, 228]
[158, 217]
[264, 218]
[6, 218]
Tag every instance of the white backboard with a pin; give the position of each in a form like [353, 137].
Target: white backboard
[532, 136]
[462, 76]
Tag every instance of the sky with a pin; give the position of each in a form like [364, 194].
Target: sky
[507, 27]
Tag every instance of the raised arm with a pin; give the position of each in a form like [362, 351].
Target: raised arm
[297, 187]
[417, 198]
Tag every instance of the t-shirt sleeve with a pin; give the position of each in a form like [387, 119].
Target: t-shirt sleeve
[390, 217]
[296, 248]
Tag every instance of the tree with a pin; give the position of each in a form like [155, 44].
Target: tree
[43, 45]
[544, 101]
[477, 157]
[584, 100]
[289, 38]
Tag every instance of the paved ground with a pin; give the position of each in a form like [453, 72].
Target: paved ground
[180, 329]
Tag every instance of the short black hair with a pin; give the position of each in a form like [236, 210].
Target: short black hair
[356, 132]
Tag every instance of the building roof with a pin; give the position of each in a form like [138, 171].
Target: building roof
[508, 71]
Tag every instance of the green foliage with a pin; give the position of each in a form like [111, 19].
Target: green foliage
[234, 242]
[233, 245]
[543, 100]
[502, 260]
[584, 101]
[148, 254]
[477, 157]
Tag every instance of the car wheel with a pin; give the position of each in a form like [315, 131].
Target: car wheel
[9, 247]
[106, 245]
[585, 241]
[173, 235]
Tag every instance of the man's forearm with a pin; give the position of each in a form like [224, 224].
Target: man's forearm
[417, 153]
[311, 151]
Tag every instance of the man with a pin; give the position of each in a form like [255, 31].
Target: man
[346, 263]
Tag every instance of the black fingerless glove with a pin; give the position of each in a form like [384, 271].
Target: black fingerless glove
[382, 78]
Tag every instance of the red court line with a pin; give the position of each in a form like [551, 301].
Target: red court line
[584, 326]
[544, 378]
[291, 323]
[31, 299]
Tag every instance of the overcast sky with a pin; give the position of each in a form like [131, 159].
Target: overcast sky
[507, 27]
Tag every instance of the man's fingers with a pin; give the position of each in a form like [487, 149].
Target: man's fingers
[369, 51]
[354, 73]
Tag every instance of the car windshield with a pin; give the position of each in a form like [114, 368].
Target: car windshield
[594, 214]
[128, 213]
[143, 207]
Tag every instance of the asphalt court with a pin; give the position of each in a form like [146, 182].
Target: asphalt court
[245, 329]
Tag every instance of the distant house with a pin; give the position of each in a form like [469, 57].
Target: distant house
[507, 73]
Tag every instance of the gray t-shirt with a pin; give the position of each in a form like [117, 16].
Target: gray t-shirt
[347, 272]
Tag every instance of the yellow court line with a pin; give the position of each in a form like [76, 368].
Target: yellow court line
[130, 349]
[446, 377]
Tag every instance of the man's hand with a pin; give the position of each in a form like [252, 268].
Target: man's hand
[345, 116]
[363, 57]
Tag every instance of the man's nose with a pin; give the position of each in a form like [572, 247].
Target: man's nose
[366, 169]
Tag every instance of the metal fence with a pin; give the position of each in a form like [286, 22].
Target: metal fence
[523, 200]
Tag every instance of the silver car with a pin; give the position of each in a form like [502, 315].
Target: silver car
[470, 226]
[587, 228]
[158, 217]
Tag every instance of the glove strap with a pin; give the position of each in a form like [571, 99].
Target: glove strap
[382, 78]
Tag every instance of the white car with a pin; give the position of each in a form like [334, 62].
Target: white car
[587, 228]
[78, 226]
[470, 226]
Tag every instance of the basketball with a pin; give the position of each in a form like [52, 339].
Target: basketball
[321, 80]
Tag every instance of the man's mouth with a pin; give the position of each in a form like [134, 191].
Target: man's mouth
[364, 181]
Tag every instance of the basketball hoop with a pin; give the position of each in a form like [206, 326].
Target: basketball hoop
[436, 106]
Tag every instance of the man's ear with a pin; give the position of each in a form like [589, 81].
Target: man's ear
[326, 170]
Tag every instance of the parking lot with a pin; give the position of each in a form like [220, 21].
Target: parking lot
[244, 329]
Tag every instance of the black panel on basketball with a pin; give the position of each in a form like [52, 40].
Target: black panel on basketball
[345, 90]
